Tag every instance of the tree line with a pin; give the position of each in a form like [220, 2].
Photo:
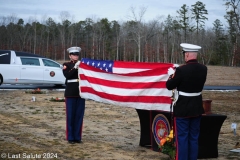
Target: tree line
[133, 40]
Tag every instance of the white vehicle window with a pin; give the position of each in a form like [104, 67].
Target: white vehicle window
[30, 61]
[49, 63]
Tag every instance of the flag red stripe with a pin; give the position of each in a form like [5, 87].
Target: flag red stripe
[141, 65]
[153, 72]
[137, 99]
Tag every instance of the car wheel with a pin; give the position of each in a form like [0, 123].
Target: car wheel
[1, 79]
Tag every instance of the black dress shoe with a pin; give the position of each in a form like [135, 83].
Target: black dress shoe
[78, 141]
[71, 142]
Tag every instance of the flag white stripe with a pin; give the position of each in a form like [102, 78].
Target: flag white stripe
[127, 92]
[137, 105]
[127, 70]
[121, 78]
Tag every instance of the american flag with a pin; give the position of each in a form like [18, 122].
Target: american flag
[138, 85]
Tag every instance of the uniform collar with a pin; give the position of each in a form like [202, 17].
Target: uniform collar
[192, 61]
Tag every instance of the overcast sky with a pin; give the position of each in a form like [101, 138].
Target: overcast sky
[118, 10]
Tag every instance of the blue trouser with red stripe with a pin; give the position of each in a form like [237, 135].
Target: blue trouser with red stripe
[75, 107]
[186, 134]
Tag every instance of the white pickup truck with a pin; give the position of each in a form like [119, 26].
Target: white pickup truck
[27, 68]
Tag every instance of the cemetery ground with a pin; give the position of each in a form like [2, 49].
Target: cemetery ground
[31, 130]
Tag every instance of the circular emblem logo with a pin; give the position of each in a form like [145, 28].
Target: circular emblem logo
[52, 73]
[160, 127]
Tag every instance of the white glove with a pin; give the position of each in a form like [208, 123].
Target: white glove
[77, 65]
[171, 71]
[176, 65]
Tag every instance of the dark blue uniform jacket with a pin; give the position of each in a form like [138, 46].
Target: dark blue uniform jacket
[72, 89]
[189, 78]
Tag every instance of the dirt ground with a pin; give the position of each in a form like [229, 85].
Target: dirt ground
[36, 130]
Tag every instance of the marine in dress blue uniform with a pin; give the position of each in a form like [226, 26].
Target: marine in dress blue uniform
[188, 80]
[75, 105]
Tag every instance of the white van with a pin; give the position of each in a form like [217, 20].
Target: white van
[27, 68]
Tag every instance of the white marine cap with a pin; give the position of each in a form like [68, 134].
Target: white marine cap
[190, 47]
[74, 50]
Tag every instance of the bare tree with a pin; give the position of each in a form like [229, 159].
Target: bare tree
[3, 21]
[138, 28]
[64, 16]
[12, 29]
[23, 32]
[233, 18]
[118, 33]
[33, 21]
[150, 30]
[3, 31]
